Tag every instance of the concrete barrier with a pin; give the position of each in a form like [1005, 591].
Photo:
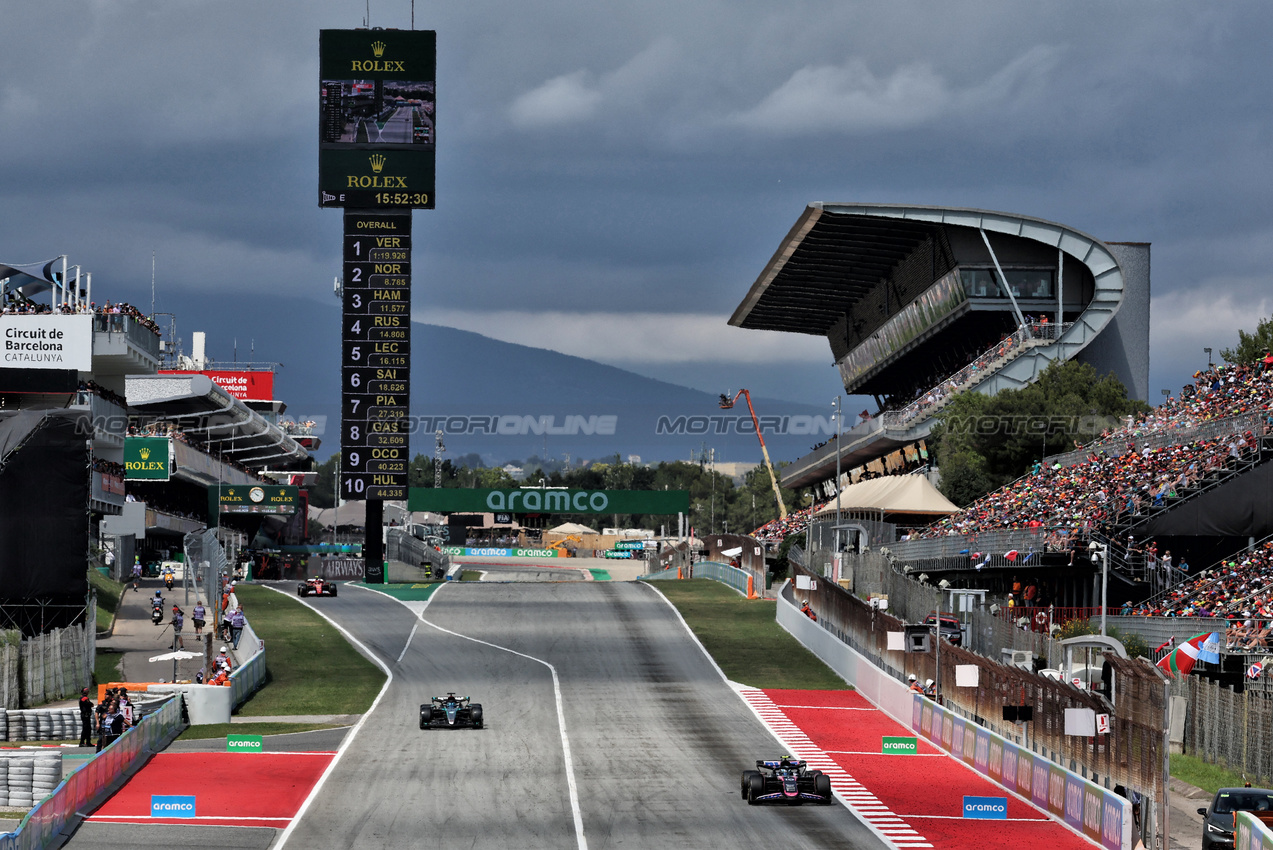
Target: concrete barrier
[90, 784]
[1099, 814]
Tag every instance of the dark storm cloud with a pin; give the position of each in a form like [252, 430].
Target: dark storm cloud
[607, 158]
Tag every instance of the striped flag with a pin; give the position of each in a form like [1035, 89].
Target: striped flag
[1167, 644]
[1254, 671]
[1182, 658]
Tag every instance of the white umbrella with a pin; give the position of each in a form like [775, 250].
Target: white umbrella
[732, 553]
[175, 655]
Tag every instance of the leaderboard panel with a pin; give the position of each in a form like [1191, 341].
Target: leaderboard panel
[375, 355]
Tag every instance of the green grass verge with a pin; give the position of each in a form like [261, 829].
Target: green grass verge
[310, 667]
[14, 815]
[470, 575]
[220, 730]
[109, 593]
[1209, 777]
[745, 639]
[106, 667]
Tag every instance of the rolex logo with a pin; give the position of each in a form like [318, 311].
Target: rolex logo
[145, 454]
[378, 48]
[377, 162]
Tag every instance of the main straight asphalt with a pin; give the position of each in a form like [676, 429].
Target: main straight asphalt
[606, 726]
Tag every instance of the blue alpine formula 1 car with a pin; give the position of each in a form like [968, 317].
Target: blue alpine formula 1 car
[451, 712]
[787, 780]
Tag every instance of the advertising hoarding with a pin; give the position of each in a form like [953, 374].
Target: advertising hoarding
[258, 499]
[245, 386]
[147, 458]
[47, 341]
[377, 118]
[549, 501]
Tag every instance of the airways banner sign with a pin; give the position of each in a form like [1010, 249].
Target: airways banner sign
[548, 501]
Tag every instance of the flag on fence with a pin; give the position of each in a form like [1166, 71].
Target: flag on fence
[1181, 659]
[1170, 642]
[1254, 671]
[1011, 555]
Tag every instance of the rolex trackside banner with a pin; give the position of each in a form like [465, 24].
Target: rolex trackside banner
[549, 501]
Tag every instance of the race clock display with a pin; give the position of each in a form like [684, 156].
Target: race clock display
[375, 355]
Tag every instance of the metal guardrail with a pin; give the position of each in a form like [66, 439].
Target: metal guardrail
[724, 573]
[88, 785]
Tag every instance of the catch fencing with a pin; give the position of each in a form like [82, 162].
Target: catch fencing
[1229, 728]
[1133, 754]
[90, 784]
[49, 666]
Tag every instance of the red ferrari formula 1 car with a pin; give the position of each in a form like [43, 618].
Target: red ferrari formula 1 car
[316, 587]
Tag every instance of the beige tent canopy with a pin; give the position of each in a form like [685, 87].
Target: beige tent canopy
[572, 528]
[893, 494]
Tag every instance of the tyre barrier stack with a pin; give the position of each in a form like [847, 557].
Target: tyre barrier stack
[55, 800]
[40, 724]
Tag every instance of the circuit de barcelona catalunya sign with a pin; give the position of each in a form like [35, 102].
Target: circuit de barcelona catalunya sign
[548, 501]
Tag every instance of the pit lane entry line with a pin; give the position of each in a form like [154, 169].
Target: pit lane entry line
[575, 810]
[353, 733]
[854, 796]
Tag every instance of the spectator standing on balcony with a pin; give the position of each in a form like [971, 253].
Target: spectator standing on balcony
[1031, 593]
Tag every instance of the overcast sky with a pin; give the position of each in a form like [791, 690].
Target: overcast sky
[606, 166]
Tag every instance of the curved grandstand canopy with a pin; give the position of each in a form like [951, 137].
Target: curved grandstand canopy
[921, 303]
[825, 268]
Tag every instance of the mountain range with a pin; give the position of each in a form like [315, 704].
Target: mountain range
[502, 400]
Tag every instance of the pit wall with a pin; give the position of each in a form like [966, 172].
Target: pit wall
[90, 784]
[1099, 815]
[1253, 834]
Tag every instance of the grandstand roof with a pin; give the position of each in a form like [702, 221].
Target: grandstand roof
[824, 267]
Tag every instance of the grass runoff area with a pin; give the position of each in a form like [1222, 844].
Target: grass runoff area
[221, 730]
[1201, 774]
[109, 592]
[745, 639]
[311, 668]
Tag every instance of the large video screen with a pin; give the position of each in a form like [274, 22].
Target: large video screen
[377, 118]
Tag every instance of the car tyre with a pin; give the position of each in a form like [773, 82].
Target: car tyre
[822, 787]
[333, 590]
[426, 716]
[756, 789]
[475, 714]
[746, 782]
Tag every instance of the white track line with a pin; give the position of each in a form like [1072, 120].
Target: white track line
[575, 809]
[873, 814]
[353, 733]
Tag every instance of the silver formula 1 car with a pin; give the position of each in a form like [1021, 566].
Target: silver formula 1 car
[787, 780]
[451, 712]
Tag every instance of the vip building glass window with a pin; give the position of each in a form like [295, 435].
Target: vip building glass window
[1025, 283]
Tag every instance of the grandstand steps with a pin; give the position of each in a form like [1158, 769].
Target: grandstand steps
[1235, 501]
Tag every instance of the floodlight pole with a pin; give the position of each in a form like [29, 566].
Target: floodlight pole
[839, 428]
[726, 403]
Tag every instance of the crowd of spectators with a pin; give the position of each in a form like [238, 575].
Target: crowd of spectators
[107, 467]
[797, 522]
[17, 304]
[1123, 477]
[1239, 589]
[94, 388]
